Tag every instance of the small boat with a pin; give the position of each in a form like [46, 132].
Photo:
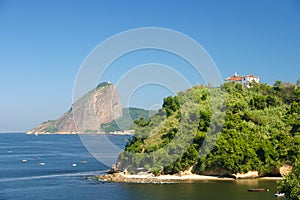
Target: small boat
[83, 162]
[256, 190]
[74, 165]
[42, 163]
[24, 160]
[9, 151]
[279, 195]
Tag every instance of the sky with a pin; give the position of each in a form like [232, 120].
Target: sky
[44, 42]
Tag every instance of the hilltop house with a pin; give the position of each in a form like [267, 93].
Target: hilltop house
[245, 80]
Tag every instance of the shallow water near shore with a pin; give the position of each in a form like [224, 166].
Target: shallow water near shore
[58, 179]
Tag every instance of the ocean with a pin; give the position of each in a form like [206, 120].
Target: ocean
[60, 167]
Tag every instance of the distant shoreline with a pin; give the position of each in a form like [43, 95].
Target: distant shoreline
[150, 178]
[129, 132]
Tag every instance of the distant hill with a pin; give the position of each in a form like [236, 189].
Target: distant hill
[101, 105]
[129, 115]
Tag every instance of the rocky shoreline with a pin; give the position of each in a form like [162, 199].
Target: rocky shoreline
[188, 177]
[150, 178]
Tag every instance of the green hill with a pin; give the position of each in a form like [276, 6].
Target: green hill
[254, 129]
[127, 119]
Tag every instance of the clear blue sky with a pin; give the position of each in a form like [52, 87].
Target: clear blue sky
[43, 43]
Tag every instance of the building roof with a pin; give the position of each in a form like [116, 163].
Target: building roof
[234, 78]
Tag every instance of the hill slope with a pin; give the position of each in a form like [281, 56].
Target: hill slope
[260, 131]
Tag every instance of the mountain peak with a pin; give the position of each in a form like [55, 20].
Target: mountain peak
[99, 106]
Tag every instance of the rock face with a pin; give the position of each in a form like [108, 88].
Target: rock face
[248, 175]
[98, 106]
[285, 170]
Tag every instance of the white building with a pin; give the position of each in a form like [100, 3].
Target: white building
[245, 80]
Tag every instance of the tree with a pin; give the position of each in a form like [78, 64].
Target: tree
[260, 102]
[277, 85]
[271, 100]
[171, 105]
[298, 83]
[142, 122]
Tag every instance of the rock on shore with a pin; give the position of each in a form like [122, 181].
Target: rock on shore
[150, 178]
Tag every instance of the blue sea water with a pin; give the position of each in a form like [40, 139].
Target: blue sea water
[58, 179]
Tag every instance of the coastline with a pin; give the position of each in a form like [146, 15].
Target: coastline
[127, 132]
[150, 178]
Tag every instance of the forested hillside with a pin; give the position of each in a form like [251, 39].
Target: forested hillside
[128, 117]
[256, 128]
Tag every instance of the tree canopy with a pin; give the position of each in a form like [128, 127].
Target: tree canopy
[260, 131]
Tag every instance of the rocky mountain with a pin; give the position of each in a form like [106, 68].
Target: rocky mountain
[99, 106]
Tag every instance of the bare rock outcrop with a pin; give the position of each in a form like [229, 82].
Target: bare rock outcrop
[98, 106]
[248, 175]
[285, 170]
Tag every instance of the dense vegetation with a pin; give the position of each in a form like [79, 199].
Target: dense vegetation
[129, 116]
[291, 184]
[256, 128]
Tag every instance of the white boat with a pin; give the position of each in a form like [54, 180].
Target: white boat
[83, 162]
[279, 194]
[74, 164]
[42, 163]
[24, 160]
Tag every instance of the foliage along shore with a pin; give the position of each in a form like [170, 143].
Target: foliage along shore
[259, 132]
